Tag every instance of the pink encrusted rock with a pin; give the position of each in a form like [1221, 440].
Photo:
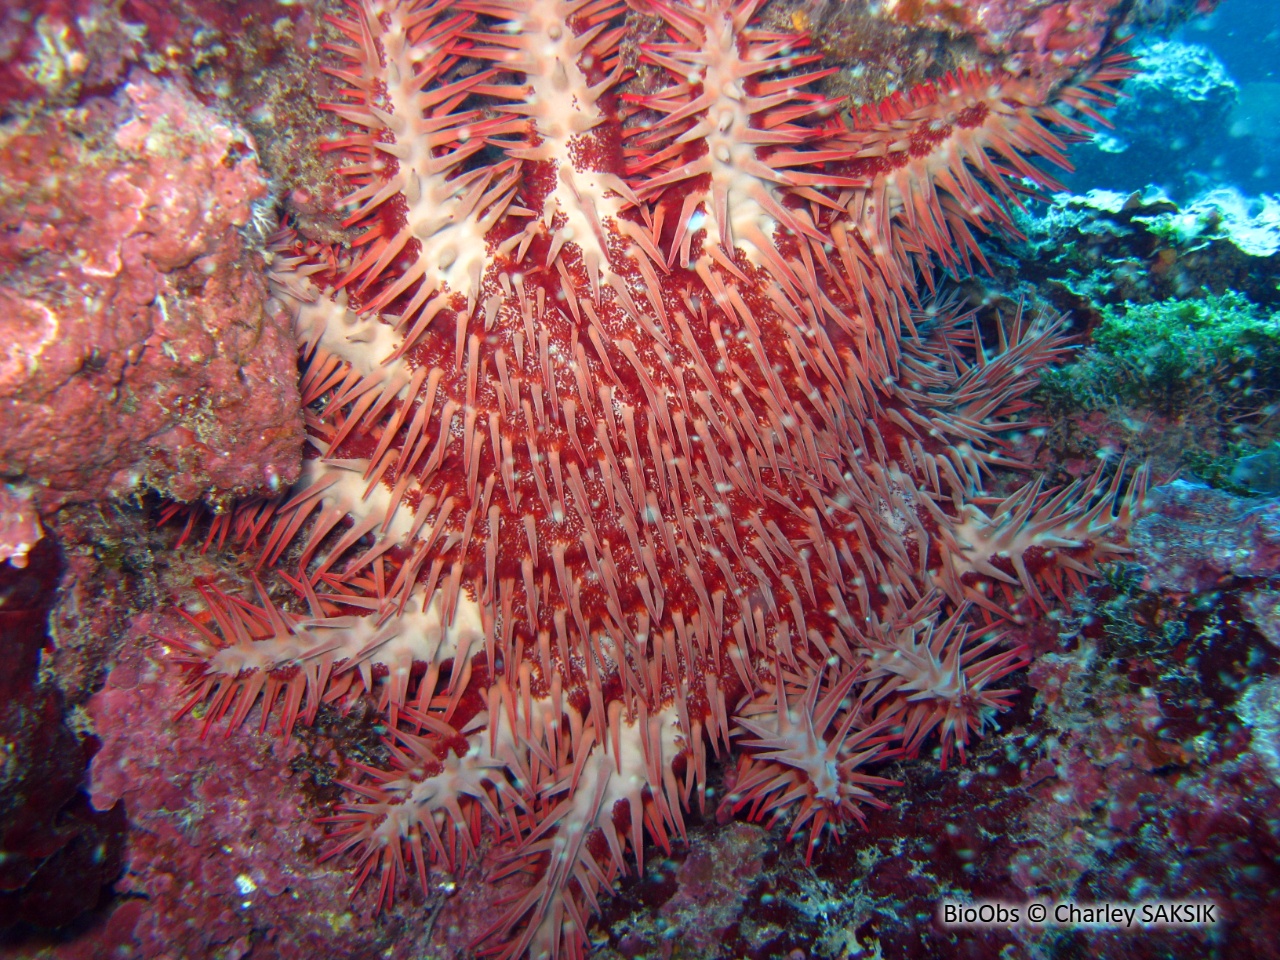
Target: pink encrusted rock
[223, 849]
[138, 347]
[220, 849]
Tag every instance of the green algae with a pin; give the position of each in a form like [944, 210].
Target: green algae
[1220, 352]
[1193, 383]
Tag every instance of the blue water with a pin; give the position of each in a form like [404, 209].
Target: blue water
[1212, 119]
[1245, 34]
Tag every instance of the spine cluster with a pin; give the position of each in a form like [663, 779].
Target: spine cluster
[632, 437]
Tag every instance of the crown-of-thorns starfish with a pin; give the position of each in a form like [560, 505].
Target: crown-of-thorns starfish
[631, 436]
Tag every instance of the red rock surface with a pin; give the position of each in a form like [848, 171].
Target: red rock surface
[139, 347]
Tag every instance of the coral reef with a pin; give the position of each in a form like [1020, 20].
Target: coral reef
[56, 51]
[217, 835]
[1197, 537]
[1071, 32]
[1179, 306]
[1082, 253]
[1177, 353]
